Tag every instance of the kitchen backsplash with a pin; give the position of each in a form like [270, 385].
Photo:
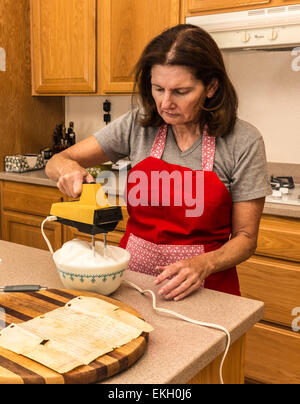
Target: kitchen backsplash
[268, 85]
[285, 170]
[87, 112]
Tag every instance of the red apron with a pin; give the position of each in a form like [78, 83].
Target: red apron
[181, 215]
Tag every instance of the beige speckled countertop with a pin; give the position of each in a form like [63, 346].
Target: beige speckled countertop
[177, 350]
[39, 178]
[281, 210]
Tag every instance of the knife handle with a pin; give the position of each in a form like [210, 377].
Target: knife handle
[21, 288]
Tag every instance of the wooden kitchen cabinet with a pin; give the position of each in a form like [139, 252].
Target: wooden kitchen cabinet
[28, 198]
[198, 7]
[124, 28]
[279, 238]
[195, 6]
[23, 208]
[91, 46]
[272, 275]
[276, 283]
[25, 229]
[63, 46]
[273, 355]
[27, 122]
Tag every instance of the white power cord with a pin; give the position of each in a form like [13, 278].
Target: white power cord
[173, 313]
[190, 320]
[48, 219]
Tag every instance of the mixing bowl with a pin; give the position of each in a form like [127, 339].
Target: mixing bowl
[103, 279]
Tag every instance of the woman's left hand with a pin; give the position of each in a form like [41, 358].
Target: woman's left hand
[186, 277]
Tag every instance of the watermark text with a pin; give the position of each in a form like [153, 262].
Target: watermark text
[296, 61]
[159, 188]
[296, 320]
[2, 60]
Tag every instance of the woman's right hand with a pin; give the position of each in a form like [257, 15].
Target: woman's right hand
[71, 179]
[66, 167]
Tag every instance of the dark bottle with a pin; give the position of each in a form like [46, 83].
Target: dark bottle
[71, 134]
[56, 140]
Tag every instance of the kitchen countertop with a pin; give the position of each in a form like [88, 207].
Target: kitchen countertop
[177, 350]
[39, 178]
[277, 209]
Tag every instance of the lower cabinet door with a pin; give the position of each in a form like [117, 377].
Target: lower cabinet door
[272, 355]
[26, 229]
[279, 237]
[275, 282]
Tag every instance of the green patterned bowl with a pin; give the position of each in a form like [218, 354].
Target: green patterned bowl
[94, 171]
[104, 279]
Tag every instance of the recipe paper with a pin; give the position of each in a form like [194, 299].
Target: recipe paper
[76, 334]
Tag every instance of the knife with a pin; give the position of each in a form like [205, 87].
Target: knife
[21, 288]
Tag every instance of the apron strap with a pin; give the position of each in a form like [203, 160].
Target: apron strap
[208, 147]
[208, 151]
[159, 142]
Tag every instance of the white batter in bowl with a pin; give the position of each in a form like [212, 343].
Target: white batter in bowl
[80, 269]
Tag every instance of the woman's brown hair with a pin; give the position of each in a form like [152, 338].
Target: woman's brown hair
[190, 46]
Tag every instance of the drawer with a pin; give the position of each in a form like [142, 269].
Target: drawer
[122, 224]
[28, 198]
[279, 237]
[275, 282]
[272, 355]
[26, 230]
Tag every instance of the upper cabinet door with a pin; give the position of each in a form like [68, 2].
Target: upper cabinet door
[63, 43]
[125, 27]
[195, 6]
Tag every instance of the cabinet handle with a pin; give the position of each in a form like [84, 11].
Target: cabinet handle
[274, 35]
[246, 37]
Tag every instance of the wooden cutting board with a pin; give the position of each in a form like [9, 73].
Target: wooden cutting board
[17, 369]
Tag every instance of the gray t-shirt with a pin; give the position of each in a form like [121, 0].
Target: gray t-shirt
[240, 158]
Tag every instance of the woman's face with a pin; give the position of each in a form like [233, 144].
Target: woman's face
[177, 94]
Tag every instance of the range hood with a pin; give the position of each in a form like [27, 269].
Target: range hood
[265, 28]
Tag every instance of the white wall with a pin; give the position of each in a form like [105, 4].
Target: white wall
[269, 95]
[87, 112]
[268, 85]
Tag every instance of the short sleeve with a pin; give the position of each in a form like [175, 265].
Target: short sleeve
[249, 179]
[114, 138]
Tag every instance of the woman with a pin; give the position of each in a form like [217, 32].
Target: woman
[198, 182]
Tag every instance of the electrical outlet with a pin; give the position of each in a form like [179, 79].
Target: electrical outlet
[107, 106]
[106, 118]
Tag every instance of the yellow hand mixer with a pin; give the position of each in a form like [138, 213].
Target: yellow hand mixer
[91, 214]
